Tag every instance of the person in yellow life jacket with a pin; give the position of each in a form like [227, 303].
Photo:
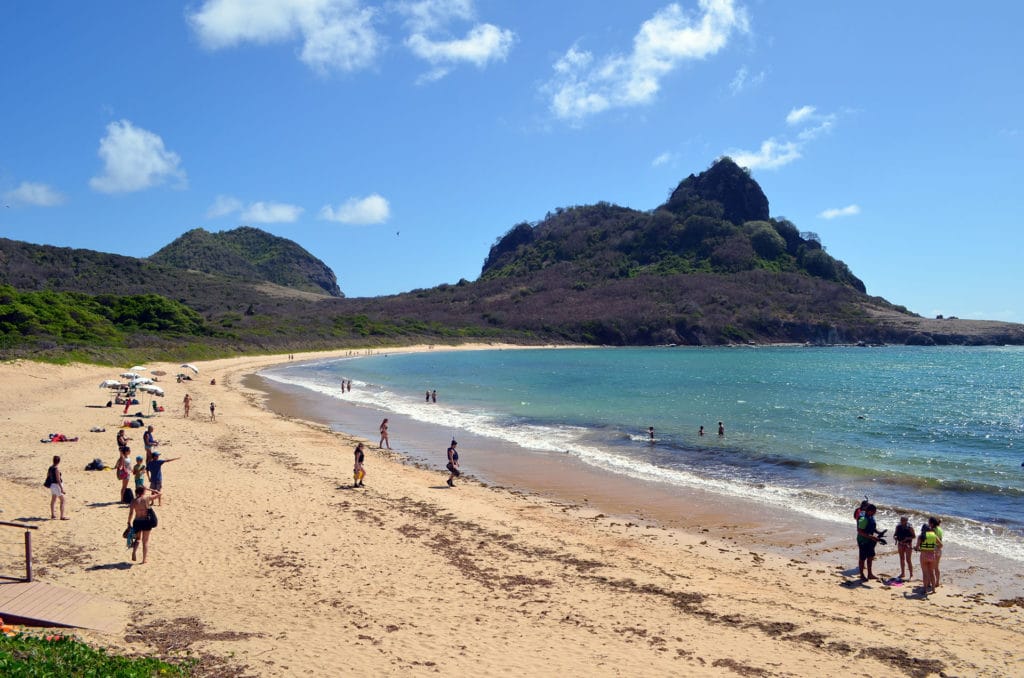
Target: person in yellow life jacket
[935, 523]
[867, 538]
[928, 543]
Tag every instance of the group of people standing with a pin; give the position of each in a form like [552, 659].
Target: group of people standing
[700, 431]
[928, 544]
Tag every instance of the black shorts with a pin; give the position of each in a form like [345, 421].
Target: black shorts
[454, 471]
[866, 549]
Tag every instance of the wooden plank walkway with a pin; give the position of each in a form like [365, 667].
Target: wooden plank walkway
[39, 604]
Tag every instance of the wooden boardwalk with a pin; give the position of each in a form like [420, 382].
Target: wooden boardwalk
[39, 604]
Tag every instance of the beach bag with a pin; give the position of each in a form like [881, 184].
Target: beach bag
[49, 477]
[122, 473]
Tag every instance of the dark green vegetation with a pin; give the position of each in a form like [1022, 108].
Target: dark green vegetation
[710, 266]
[31, 656]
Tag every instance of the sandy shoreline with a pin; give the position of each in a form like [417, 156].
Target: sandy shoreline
[265, 558]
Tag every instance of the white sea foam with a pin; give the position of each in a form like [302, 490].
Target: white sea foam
[573, 440]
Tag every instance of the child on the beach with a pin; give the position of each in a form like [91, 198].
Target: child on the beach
[139, 471]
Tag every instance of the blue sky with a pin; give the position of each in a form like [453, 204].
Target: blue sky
[398, 140]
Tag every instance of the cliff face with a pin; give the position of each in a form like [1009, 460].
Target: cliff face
[251, 254]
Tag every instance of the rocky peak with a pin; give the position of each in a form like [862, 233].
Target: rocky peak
[726, 183]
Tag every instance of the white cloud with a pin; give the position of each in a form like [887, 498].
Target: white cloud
[270, 213]
[483, 43]
[771, 155]
[798, 115]
[743, 80]
[662, 159]
[222, 206]
[834, 212]
[35, 195]
[774, 153]
[373, 209]
[663, 43]
[429, 15]
[336, 34]
[134, 159]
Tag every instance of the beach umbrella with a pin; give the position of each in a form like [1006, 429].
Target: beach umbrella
[110, 383]
[158, 373]
[129, 375]
[141, 380]
[138, 368]
[191, 367]
[155, 390]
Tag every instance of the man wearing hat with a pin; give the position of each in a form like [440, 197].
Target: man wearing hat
[156, 473]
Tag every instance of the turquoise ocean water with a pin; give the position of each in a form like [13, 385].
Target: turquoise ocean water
[920, 430]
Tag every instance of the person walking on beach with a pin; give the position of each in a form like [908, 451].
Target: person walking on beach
[384, 440]
[213, 412]
[122, 472]
[935, 523]
[453, 464]
[187, 402]
[866, 541]
[928, 543]
[149, 442]
[55, 481]
[156, 473]
[358, 472]
[904, 535]
[142, 519]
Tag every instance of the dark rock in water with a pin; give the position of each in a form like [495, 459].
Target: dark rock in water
[920, 339]
[726, 183]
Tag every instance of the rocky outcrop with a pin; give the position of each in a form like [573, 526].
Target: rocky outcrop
[726, 183]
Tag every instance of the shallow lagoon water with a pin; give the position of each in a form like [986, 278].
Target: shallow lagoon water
[918, 430]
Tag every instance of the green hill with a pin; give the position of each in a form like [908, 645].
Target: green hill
[250, 254]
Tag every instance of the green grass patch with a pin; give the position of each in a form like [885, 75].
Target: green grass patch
[33, 656]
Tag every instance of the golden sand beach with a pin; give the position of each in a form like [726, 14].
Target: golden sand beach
[267, 563]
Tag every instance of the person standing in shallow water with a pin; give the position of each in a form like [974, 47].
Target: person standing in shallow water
[384, 440]
[650, 433]
[453, 464]
[721, 429]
